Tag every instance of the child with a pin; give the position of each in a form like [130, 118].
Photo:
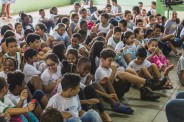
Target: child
[145, 69]
[113, 41]
[115, 7]
[84, 16]
[108, 71]
[48, 22]
[140, 4]
[11, 44]
[20, 96]
[152, 11]
[25, 22]
[6, 105]
[76, 8]
[51, 115]
[139, 38]
[127, 17]
[31, 72]
[76, 45]
[151, 20]
[149, 34]
[60, 51]
[67, 102]
[74, 21]
[66, 21]
[72, 56]
[18, 33]
[33, 40]
[60, 35]
[165, 42]
[51, 77]
[103, 26]
[139, 24]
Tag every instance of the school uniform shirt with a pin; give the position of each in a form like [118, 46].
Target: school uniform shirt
[18, 36]
[15, 99]
[29, 71]
[29, 26]
[58, 37]
[116, 9]
[112, 43]
[180, 65]
[61, 103]
[171, 25]
[5, 103]
[137, 67]
[73, 25]
[130, 24]
[48, 77]
[119, 46]
[104, 29]
[3, 74]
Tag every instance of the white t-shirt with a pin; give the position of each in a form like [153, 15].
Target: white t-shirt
[112, 43]
[137, 67]
[29, 71]
[180, 66]
[58, 37]
[119, 46]
[15, 99]
[48, 77]
[102, 72]
[83, 81]
[3, 74]
[80, 46]
[61, 103]
[5, 103]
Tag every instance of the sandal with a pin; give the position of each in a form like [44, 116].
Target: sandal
[125, 109]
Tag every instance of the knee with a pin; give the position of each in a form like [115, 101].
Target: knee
[143, 69]
[169, 106]
[36, 79]
[180, 95]
[92, 113]
[130, 70]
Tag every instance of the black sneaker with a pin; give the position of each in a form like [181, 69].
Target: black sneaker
[146, 94]
[155, 84]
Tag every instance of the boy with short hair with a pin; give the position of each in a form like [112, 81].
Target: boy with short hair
[140, 4]
[151, 21]
[33, 40]
[113, 41]
[122, 79]
[68, 103]
[152, 11]
[128, 18]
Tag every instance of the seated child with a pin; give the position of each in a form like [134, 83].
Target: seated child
[60, 35]
[155, 55]
[139, 37]
[180, 68]
[74, 21]
[20, 95]
[51, 115]
[66, 21]
[31, 71]
[72, 56]
[68, 103]
[145, 69]
[19, 33]
[127, 17]
[16, 113]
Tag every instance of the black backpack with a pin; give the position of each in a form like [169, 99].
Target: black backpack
[178, 30]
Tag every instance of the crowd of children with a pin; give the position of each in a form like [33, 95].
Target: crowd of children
[59, 68]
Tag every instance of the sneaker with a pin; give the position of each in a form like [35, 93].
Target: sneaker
[155, 84]
[146, 94]
[105, 117]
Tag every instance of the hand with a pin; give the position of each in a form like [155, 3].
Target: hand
[93, 101]
[58, 80]
[31, 106]
[89, 78]
[6, 115]
[66, 115]
[24, 94]
[113, 66]
[156, 50]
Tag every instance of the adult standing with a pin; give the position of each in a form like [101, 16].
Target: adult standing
[6, 7]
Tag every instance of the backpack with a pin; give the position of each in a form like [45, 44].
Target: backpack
[178, 30]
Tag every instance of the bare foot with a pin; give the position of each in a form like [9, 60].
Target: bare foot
[168, 69]
[9, 17]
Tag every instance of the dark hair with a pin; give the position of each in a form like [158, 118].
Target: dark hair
[17, 23]
[14, 61]
[140, 3]
[70, 80]
[73, 52]
[154, 3]
[106, 16]
[114, 1]
[67, 67]
[157, 15]
[107, 53]
[51, 115]
[108, 5]
[127, 12]
[51, 10]
[76, 35]
[32, 37]
[126, 35]
[150, 17]
[59, 50]
[82, 32]
[41, 10]
[42, 27]
[123, 22]
[157, 26]
[2, 83]
[116, 29]
[148, 32]
[7, 34]
[4, 29]
[59, 25]
[163, 18]
[82, 10]
[64, 20]
[83, 60]
[74, 15]
[15, 79]
[29, 53]
[136, 8]
[141, 52]
[23, 15]
[152, 40]
[52, 57]
[77, 4]
[136, 31]
[137, 21]
[28, 31]
[10, 40]
[82, 22]
[30, 16]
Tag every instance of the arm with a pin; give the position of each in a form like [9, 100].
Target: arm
[113, 73]
[48, 88]
[109, 34]
[167, 37]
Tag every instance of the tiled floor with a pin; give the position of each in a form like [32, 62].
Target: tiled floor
[145, 111]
